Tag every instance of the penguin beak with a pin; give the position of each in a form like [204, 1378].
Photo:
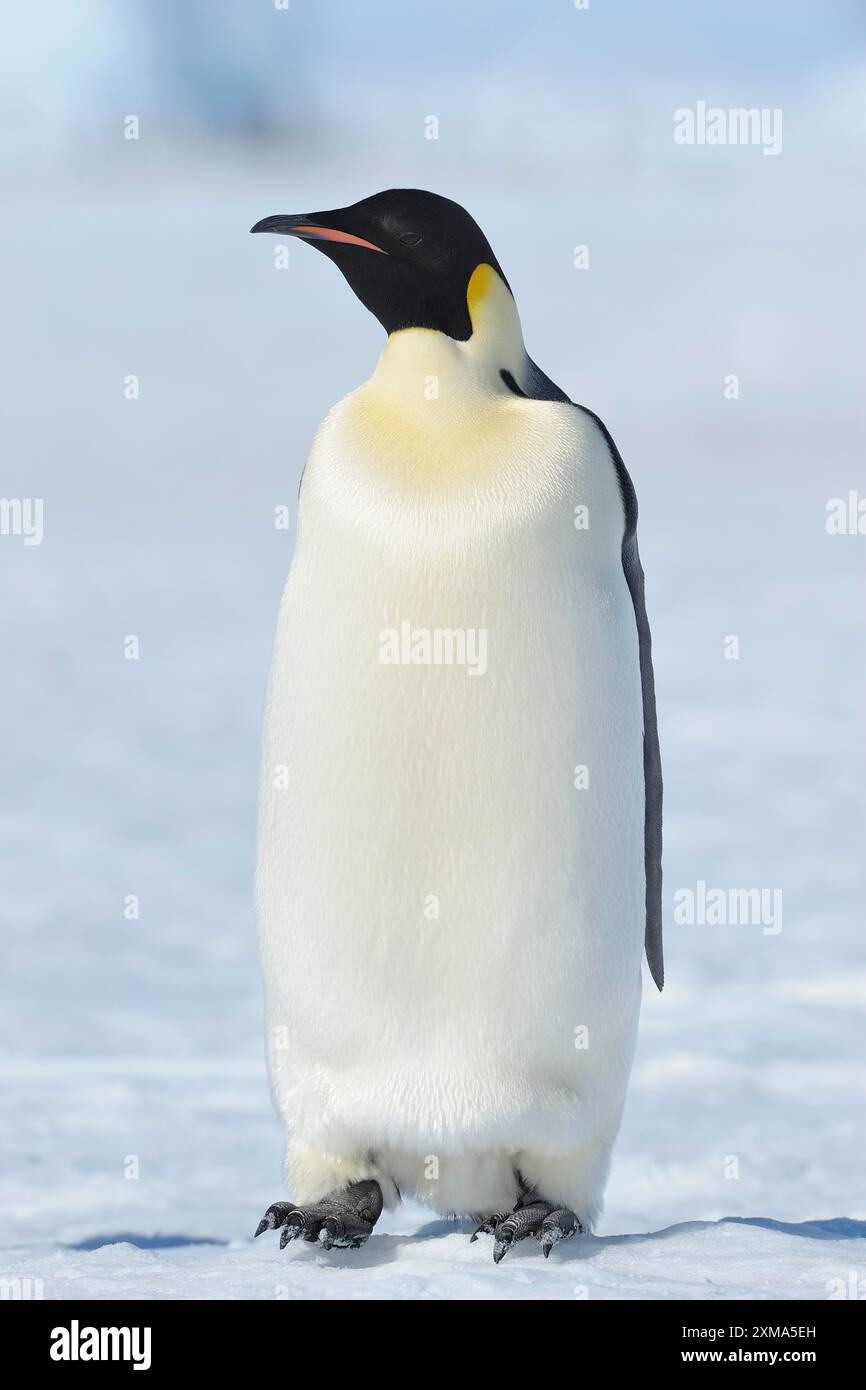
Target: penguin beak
[310, 227]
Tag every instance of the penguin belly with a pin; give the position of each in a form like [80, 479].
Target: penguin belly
[450, 880]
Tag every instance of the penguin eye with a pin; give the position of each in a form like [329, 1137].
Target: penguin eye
[410, 238]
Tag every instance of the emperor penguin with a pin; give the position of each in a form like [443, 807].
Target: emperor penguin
[459, 828]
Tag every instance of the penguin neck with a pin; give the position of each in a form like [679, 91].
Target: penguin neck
[419, 365]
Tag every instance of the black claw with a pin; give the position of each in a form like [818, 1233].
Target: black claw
[344, 1219]
[532, 1216]
[292, 1228]
[549, 1236]
[549, 1239]
[503, 1242]
[557, 1226]
[330, 1233]
[486, 1228]
[273, 1217]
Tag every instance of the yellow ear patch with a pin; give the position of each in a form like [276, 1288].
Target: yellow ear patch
[481, 283]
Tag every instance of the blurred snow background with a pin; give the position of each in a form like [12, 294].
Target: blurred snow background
[143, 1038]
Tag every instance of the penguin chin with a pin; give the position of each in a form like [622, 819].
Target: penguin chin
[490, 360]
[399, 294]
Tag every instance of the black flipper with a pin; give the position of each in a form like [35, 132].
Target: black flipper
[541, 388]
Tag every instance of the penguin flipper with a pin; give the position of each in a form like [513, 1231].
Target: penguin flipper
[652, 764]
[540, 387]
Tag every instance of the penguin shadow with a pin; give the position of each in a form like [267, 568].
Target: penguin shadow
[383, 1247]
[833, 1228]
[166, 1242]
[387, 1245]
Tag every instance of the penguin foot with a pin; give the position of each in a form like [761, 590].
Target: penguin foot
[531, 1217]
[342, 1219]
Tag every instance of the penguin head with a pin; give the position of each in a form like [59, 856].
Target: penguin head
[415, 259]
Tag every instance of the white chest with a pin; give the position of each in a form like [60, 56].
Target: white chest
[452, 772]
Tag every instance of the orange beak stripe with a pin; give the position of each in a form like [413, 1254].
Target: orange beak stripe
[330, 234]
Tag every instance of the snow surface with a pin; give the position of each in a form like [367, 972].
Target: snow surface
[139, 1148]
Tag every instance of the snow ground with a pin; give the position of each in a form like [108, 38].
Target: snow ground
[124, 1040]
[417, 1259]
